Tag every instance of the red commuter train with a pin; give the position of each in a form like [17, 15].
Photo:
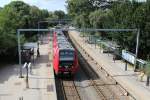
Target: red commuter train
[64, 55]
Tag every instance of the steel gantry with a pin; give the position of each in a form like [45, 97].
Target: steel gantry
[76, 29]
[59, 21]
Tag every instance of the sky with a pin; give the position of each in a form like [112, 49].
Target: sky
[50, 5]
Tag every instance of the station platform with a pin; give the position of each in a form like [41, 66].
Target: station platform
[41, 80]
[127, 79]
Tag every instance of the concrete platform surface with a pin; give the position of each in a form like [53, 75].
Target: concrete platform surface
[127, 79]
[41, 80]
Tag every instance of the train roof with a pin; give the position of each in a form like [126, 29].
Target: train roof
[64, 44]
[62, 41]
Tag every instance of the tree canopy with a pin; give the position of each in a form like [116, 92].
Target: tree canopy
[13, 16]
[120, 14]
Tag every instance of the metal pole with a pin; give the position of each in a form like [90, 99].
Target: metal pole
[33, 56]
[137, 47]
[19, 53]
[147, 81]
[38, 26]
[126, 65]
[27, 81]
[95, 42]
[38, 30]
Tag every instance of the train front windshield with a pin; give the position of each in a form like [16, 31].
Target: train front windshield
[66, 58]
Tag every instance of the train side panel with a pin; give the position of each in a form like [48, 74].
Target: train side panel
[56, 61]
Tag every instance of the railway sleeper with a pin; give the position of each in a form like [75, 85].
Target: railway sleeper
[115, 83]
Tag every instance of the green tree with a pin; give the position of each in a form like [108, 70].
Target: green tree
[60, 14]
[80, 10]
[13, 16]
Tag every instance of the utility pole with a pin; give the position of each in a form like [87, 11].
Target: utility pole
[137, 47]
[19, 52]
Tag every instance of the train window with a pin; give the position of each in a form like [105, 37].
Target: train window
[66, 53]
[61, 53]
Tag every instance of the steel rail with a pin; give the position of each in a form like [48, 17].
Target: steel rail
[72, 89]
[91, 77]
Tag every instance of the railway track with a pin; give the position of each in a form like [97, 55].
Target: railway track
[106, 87]
[70, 89]
[67, 89]
[99, 85]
